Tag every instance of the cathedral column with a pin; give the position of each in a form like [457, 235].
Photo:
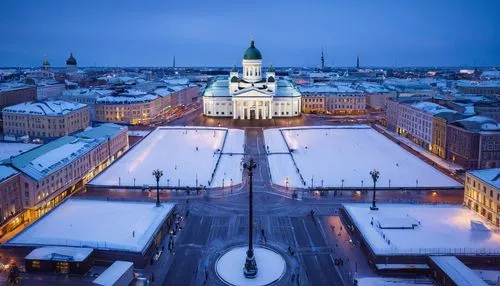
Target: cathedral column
[235, 109]
[264, 107]
[270, 110]
[242, 115]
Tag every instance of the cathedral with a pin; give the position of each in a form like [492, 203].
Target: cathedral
[251, 94]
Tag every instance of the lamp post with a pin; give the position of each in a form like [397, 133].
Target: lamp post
[157, 174]
[286, 184]
[375, 175]
[250, 270]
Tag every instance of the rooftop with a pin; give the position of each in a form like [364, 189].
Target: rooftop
[48, 158]
[47, 108]
[113, 273]
[433, 229]
[489, 176]
[457, 271]
[105, 225]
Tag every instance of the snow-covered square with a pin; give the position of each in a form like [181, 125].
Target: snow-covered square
[188, 157]
[424, 229]
[343, 156]
[105, 225]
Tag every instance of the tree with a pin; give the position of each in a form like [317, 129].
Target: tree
[157, 174]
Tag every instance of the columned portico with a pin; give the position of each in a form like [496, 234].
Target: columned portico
[252, 108]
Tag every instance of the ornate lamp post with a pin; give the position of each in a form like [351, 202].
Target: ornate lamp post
[157, 174]
[250, 270]
[375, 175]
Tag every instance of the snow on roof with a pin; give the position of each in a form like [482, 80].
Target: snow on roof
[50, 157]
[431, 107]
[491, 74]
[113, 273]
[220, 88]
[327, 88]
[457, 271]
[479, 123]
[60, 253]
[389, 281]
[8, 149]
[7, 86]
[489, 176]
[177, 81]
[441, 229]
[47, 107]
[105, 225]
[187, 155]
[469, 83]
[127, 98]
[6, 172]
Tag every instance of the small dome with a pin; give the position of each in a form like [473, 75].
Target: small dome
[271, 69]
[234, 79]
[234, 69]
[46, 63]
[71, 61]
[252, 53]
[270, 79]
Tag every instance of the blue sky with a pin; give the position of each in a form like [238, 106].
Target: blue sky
[216, 33]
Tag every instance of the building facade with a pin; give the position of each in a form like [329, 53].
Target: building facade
[10, 196]
[54, 171]
[482, 193]
[253, 94]
[340, 100]
[45, 119]
[11, 94]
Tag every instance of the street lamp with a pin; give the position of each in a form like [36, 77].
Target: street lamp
[375, 175]
[286, 183]
[157, 174]
[250, 270]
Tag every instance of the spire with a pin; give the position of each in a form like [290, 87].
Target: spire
[252, 41]
[173, 62]
[357, 62]
[322, 60]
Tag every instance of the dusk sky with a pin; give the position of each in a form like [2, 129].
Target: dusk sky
[216, 33]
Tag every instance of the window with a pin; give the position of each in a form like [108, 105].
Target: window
[35, 264]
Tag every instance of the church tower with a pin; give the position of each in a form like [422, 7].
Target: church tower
[357, 62]
[71, 64]
[252, 64]
[322, 60]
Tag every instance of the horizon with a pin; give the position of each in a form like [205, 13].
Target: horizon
[216, 34]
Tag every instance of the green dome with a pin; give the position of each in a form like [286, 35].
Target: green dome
[46, 62]
[252, 53]
[71, 61]
[234, 69]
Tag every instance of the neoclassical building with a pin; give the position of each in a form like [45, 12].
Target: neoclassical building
[252, 94]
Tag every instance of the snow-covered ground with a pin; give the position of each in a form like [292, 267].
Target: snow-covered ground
[436, 159]
[13, 149]
[187, 156]
[438, 229]
[109, 225]
[388, 281]
[270, 265]
[336, 156]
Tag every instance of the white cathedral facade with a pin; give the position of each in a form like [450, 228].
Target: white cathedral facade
[252, 95]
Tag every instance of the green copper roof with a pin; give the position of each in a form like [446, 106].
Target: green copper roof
[252, 53]
[71, 60]
[234, 69]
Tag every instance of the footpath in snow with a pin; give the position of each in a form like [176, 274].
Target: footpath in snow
[188, 157]
[343, 156]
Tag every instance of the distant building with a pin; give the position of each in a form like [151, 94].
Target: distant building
[335, 99]
[49, 90]
[482, 193]
[45, 119]
[488, 88]
[474, 142]
[71, 65]
[14, 93]
[52, 172]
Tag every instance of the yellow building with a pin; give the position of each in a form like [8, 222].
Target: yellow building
[482, 193]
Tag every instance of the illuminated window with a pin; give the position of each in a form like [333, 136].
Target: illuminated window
[35, 264]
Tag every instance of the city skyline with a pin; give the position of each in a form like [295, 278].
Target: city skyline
[388, 33]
